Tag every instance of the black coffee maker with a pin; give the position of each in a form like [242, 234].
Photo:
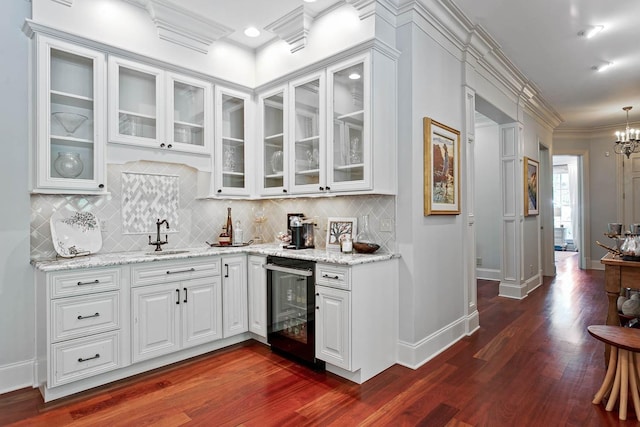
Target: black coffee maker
[301, 232]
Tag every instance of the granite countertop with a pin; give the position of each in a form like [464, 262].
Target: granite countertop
[122, 258]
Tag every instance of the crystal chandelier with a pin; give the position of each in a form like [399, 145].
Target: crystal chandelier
[628, 141]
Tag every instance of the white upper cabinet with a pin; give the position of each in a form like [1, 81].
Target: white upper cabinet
[150, 107]
[308, 132]
[273, 167]
[190, 114]
[71, 120]
[232, 175]
[136, 98]
[349, 130]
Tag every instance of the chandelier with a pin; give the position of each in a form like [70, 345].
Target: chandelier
[628, 141]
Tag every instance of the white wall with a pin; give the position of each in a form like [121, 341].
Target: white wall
[16, 279]
[431, 274]
[488, 200]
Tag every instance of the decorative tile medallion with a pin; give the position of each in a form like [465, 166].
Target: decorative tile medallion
[147, 198]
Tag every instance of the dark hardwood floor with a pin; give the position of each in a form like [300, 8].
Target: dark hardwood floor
[532, 363]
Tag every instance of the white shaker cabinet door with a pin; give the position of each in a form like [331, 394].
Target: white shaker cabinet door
[155, 320]
[234, 295]
[257, 284]
[201, 301]
[333, 326]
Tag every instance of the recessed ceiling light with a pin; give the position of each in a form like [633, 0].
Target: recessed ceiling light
[603, 67]
[354, 76]
[251, 32]
[591, 31]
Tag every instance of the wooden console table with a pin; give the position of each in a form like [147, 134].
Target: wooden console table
[618, 275]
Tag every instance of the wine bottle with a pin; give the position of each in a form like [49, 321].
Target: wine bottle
[229, 225]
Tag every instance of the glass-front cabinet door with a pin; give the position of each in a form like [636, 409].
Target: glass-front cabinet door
[190, 113]
[349, 153]
[70, 119]
[307, 152]
[135, 103]
[274, 155]
[231, 149]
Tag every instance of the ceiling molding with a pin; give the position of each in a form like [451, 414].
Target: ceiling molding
[181, 26]
[365, 8]
[293, 28]
[64, 2]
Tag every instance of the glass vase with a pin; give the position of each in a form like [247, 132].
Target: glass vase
[364, 235]
[68, 164]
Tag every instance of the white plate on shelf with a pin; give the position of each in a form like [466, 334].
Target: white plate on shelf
[75, 233]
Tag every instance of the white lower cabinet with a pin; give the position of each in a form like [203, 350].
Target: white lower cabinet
[79, 321]
[356, 318]
[234, 295]
[179, 314]
[333, 326]
[257, 290]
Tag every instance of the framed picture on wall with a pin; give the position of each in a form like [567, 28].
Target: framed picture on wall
[339, 227]
[441, 169]
[530, 187]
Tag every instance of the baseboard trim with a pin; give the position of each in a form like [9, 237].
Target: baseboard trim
[488, 274]
[595, 265]
[414, 355]
[16, 376]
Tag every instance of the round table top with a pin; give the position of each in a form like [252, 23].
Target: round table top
[626, 338]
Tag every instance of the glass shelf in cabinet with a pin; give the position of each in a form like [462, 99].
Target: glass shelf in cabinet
[71, 100]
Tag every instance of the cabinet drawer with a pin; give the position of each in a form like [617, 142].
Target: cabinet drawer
[156, 273]
[84, 357]
[333, 275]
[80, 282]
[83, 315]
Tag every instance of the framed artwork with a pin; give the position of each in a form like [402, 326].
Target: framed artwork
[530, 187]
[338, 227]
[441, 169]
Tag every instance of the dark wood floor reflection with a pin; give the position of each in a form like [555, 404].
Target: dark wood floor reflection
[532, 363]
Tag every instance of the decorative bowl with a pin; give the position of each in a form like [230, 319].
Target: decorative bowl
[69, 121]
[365, 248]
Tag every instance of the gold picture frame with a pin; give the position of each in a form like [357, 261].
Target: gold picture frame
[531, 188]
[441, 169]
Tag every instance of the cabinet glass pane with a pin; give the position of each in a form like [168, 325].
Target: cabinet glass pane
[233, 154]
[137, 105]
[348, 117]
[307, 136]
[71, 135]
[188, 113]
[273, 141]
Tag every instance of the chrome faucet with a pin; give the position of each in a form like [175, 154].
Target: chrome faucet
[158, 243]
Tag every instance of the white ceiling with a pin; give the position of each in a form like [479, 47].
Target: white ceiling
[539, 36]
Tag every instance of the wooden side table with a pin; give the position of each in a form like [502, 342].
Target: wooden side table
[622, 373]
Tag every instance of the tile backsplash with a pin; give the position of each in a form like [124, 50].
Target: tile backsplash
[200, 220]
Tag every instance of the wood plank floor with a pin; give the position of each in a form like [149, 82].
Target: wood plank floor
[532, 363]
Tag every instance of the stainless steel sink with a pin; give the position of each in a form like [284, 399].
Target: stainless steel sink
[169, 252]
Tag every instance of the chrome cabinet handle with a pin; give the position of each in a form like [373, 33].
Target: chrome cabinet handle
[326, 276]
[89, 317]
[89, 358]
[89, 283]
[189, 270]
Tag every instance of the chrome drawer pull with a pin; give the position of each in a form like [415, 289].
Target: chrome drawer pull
[88, 317]
[326, 276]
[181, 271]
[89, 283]
[89, 358]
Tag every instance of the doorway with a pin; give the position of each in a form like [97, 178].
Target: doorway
[568, 211]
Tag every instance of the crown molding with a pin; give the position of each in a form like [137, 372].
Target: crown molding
[365, 8]
[64, 2]
[181, 26]
[293, 28]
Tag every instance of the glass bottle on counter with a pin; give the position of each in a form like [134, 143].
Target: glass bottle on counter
[364, 235]
[238, 234]
[229, 227]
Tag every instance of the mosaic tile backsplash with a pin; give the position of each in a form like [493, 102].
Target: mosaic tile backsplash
[200, 220]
